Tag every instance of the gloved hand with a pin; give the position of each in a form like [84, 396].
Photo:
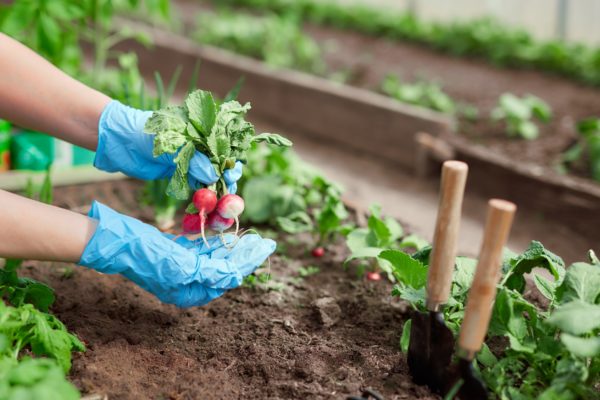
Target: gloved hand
[179, 272]
[124, 147]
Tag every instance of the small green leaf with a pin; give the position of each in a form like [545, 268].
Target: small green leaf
[535, 256]
[545, 287]
[296, 222]
[191, 209]
[272, 138]
[581, 347]
[582, 282]
[201, 110]
[405, 338]
[414, 242]
[576, 317]
[405, 268]
[178, 185]
[486, 357]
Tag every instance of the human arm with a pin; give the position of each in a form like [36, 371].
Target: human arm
[180, 272]
[37, 231]
[37, 95]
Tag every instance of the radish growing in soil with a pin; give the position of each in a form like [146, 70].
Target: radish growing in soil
[205, 200]
[318, 252]
[373, 276]
[231, 206]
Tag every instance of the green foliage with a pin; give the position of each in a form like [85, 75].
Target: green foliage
[377, 244]
[587, 149]
[533, 363]
[305, 272]
[517, 113]
[483, 38]
[281, 190]
[276, 39]
[217, 130]
[26, 327]
[34, 378]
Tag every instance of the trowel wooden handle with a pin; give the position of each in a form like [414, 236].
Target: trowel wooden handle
[441, 265]
[483, 290]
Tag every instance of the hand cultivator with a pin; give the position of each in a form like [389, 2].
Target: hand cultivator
[431, 341]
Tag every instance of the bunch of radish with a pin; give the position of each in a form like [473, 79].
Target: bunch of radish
[219, 214]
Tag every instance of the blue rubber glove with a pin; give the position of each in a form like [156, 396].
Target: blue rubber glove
[124, 147]
[178, 272]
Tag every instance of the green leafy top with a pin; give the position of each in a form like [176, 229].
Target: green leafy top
[219, 130]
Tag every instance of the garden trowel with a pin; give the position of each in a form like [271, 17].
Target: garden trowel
[431, 342]
[460, 380]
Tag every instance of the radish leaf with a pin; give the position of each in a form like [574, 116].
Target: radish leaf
[201, 110]
[272, 138]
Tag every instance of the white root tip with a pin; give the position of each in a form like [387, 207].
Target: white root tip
[202, 223]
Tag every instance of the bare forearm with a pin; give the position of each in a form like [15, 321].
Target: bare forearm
[36, 95]
[37, 231]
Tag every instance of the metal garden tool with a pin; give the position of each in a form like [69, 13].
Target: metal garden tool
[431, 342]
[479, 303]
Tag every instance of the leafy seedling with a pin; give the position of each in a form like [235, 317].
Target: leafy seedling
[518, 114]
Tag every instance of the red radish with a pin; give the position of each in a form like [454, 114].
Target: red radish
[373, 276]
[205, 200]
[217, 223]
[231, 206]
[318, 252]
[191, 223]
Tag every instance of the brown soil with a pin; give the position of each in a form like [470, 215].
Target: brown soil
[253, 343]
[368, 60]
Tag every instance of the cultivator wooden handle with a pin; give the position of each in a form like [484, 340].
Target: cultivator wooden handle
[483, 290]
[441, 266]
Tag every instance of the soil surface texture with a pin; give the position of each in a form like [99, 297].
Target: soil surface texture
[325, 336]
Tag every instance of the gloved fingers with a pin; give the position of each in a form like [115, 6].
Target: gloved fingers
[232, 175]
[248, 254]
[196, 294]
[122, 243]
[232, 188]
[201, 171]
[198, 245]
[218, 273]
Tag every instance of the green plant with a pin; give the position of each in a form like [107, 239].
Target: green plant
[587, 147]
[55, 28]
[283, 191]
[34, 378]
[528, 361]
[517, 113]
[424, 94]
[382, 233]
[483, 38]
[276, 39]
[305, 272]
